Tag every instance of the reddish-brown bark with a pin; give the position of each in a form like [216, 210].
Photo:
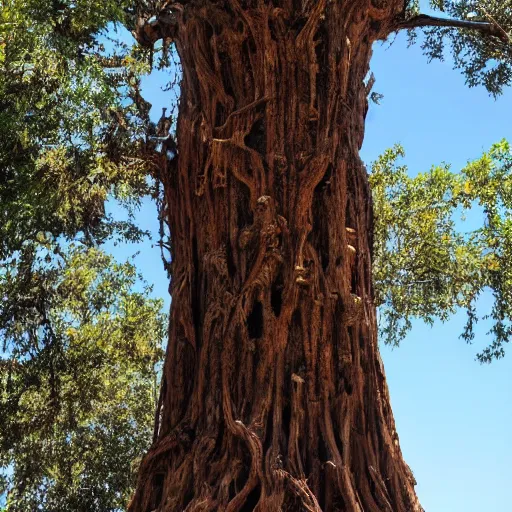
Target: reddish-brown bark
[274, 395]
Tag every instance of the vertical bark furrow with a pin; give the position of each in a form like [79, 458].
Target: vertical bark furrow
[274, 395]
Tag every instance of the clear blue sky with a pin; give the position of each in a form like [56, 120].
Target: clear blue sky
[453, 415]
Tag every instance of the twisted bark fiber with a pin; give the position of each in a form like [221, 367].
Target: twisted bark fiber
[273, 395]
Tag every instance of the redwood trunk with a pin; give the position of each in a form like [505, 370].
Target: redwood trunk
[274, 395]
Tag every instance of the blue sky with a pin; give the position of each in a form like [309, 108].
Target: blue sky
[453, 415]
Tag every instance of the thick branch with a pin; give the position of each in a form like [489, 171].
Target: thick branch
[148, 32]
[485, 28]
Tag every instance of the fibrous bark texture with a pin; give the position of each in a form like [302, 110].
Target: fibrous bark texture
[273, 394]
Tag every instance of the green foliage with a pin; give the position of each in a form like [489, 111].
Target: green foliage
[80, 335]
[77, 378]
[71, 125]
[424, 265]
[484, 60]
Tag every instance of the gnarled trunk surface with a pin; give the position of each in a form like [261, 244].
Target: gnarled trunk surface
[274, 395]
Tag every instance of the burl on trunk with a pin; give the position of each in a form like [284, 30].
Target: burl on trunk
[273, 395]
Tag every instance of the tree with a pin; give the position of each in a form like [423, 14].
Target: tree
[273, 392]
[274, 395]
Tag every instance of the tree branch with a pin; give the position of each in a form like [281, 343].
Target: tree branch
[485, 28]
[148, 32]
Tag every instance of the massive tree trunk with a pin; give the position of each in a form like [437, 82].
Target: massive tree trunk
[274, 395]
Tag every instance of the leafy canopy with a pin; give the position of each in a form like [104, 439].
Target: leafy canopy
[70, 120]
[81, 337]
[483, 59]
[81, 340]
[424, 266]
